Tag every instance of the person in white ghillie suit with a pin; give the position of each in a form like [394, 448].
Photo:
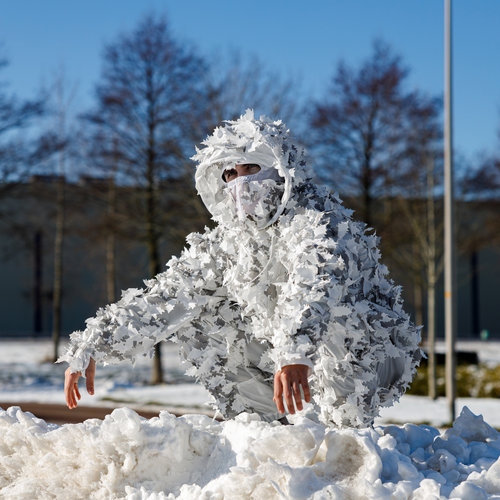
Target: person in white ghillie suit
[285, 299]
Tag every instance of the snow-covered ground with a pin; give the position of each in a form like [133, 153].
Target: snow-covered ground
[24, 377]
[194, 456]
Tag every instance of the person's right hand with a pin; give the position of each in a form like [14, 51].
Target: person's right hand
[71, 384]
[287, 382]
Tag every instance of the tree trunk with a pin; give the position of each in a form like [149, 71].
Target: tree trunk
[431, 335]
[110, 246]
[37, 285]
[366, 196]
[154, 269]
[431, 284]
[58, 269]
[475, 293]
[419, 313]
[152, 236]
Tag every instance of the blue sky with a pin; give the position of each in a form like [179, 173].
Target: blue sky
[296, 38]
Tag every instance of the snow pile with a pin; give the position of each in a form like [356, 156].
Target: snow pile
[126, 456]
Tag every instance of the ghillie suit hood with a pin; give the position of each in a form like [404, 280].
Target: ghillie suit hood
[261, 141]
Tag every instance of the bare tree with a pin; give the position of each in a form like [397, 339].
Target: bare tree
[422, 258]
[100, 150]
[23, 150]
[20, 151]
[482, 182]
[415, 183]
[150, 100]
[62, 95]
[238, 82]
[361, 129]
[479, 193]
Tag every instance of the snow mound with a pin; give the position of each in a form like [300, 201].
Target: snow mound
[194, 457]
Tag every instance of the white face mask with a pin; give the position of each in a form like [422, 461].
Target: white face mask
[257, 196]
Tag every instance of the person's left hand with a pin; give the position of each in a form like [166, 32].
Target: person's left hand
[287, 382]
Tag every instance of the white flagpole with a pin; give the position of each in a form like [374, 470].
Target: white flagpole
[450, 297]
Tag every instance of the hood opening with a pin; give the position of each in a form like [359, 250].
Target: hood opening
[246, 141]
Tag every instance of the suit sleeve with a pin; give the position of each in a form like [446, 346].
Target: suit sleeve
[143, 317]
[301, 311]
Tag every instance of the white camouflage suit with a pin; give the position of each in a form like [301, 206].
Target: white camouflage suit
[286, 277]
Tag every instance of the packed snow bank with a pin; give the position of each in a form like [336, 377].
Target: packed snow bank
[191, 457]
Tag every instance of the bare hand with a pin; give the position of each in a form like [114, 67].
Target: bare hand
[71, 384]
[287, 382]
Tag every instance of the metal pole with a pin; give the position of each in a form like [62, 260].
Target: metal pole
[449, 271]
